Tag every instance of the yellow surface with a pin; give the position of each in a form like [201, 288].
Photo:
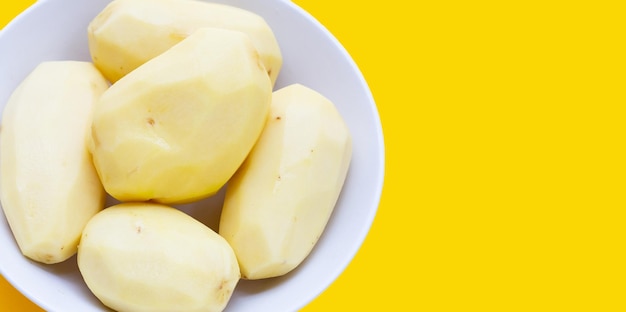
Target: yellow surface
[504, 128]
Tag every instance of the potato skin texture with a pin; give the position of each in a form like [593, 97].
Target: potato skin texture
[279, 202]
[151, 257]
[50, 188]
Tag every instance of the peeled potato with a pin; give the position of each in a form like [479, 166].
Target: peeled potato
[150, 257]
[178, 127]
[128, 33]
[50, 188]
[278, 203]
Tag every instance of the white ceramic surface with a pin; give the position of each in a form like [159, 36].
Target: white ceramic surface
[56, 30]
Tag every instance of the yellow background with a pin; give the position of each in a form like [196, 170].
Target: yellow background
[504, 127]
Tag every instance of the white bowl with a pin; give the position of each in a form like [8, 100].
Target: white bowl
[56, 30]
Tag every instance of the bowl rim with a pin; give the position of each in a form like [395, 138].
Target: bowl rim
[378, 172]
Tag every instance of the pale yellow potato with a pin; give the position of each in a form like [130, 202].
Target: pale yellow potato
[50, 188]
[279, 202]
[150, 257]
[178, 127]
[128, 33]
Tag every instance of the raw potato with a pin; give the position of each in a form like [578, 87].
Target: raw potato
[178, 127]
[150, 257]
[128, 33]
[50, 188]
[278, 203]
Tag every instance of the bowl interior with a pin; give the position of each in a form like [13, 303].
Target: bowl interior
[56, 30]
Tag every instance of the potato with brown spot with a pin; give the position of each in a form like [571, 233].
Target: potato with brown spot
[178, 127]
[279, 201]
[150, 257]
